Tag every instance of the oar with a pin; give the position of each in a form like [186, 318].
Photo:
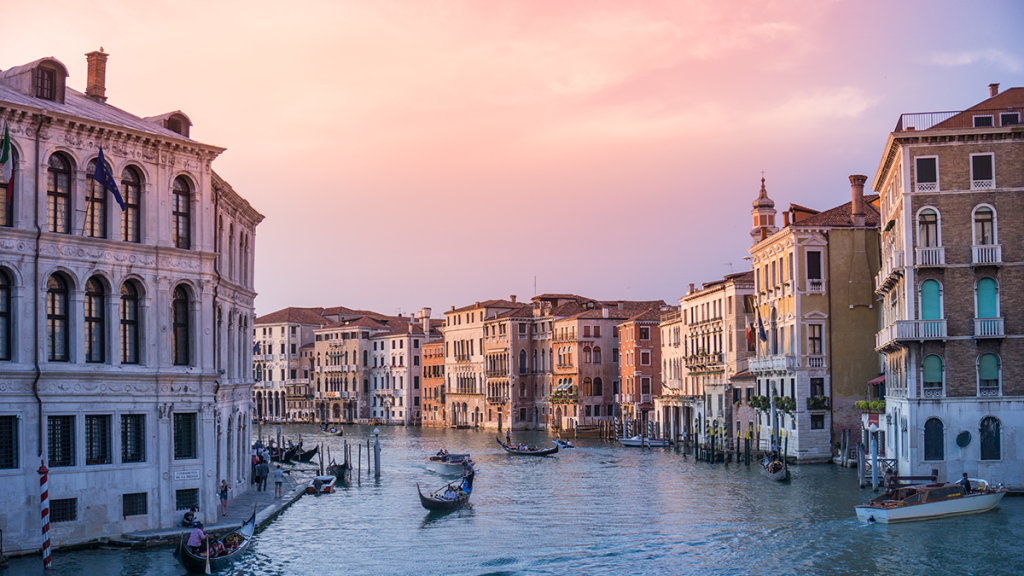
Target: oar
[208, 555]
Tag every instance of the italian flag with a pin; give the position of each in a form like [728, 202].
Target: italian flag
[7, 162]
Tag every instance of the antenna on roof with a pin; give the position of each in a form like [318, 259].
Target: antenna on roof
[534, 284]
[729, 264]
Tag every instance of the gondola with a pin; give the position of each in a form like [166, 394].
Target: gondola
[307, 455]
[537, 452]
[196, 564]
[435, 501]
[287, 456]
[776, 470]
[332, 431]
[340, 471]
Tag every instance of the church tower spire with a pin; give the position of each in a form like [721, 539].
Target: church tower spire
[764, 216]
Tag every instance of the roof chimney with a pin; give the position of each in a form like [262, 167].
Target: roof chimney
[512, 298]
[96, 84]
[425, 318]
[604, 312]
[993, 89]
[785, 218]
[857, 188]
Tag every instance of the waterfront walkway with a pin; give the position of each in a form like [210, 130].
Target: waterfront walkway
[239, 509]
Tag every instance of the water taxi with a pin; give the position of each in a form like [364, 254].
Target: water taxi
[928, 501]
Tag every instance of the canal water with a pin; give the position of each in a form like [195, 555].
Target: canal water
[596, 509]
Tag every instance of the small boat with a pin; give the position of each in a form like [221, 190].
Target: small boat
[307, 455]
[529, 451]
[285, 455]
[235, 543]
[332, 431]
[448, 463]
[321, 484]
[339, 471]
[436, 501]
[564, 443]
[928, 501]
[775, 470]
[641, 442]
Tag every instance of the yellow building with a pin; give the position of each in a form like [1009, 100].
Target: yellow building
[816, 319]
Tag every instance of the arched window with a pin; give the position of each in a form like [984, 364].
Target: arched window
[934, 437]
[587, 383]
[522, 361]
[598, 387]
[984, 226]
[58, 195]
[927, 228]
[130, 324]
[180, 321]
[931, 301]
[95, 325]
[932, 376]
[5, 317]
[986, 299]
[56, 319]
[95, 204]
[534, 367]
[7, 189]
[597, 355]
[131, 193]
[988, 375]
[182, 214]
[990, 449]
[588, 355]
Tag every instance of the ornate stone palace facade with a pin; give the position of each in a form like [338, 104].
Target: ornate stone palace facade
[125, 336]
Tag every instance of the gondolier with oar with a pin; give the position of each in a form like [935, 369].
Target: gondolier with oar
[467, 475]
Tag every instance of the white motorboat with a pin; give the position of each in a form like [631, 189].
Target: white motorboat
[448, 464]
[640, 442]
[321, 484]
[928, 501]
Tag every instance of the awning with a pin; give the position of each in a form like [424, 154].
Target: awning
[878, 380]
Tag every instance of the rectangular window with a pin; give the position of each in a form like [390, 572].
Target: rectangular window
[185, 436]
[645, 385]
[134, 504]
[982, 173]
[1009, 118]
[927, 174]
[415, 382]
[293, 373]
[60, 440]
[97, 439]
[814, 265]
[133, 438]
[8, 442]
[415, 360]
[46, 80]
[645, 358]
[64, 510]
[185, 499]
[817, 421]
[645, 333]
[983, 121]
[814, 346]
[615, 354]
[817, 386]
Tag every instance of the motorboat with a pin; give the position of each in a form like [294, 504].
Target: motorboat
[448, 464]
[928, 501]
[321, 484]
[644, 442]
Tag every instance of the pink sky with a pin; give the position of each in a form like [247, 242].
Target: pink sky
[416, 153]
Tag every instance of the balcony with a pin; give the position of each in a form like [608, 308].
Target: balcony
[988, 328]
[932, 392]
[983, 184]
[988, 391]
[932, 257]
[499, 400]
[816, 361]
[958, 119]
[818, 403]
[987, 255]
[704, 360]
[892, 269]
[815, 286]
[645, 398]
[910, 330]
[778, 363]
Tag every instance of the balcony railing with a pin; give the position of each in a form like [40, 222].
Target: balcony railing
[983, 184]
[927, 187]
[779, 363]
[911, 330]
[892, 267]
[932, 392]
[704, 360]
[931, 257]
[496, 400]
[816, 285]
[645, 398]
[815, 361]
[988, 391]
[988, 328]
[987, 255]
[958, 120]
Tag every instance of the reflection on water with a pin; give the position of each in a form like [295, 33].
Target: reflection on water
[595, 509]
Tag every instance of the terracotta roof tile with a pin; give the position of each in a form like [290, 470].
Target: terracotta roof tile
[310, 316]
[840, 217]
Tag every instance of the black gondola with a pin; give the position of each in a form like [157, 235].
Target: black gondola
[332, 431]
[435, 502]
[286, 456]
[307, 455]
[340, 471]
[537, 452]
[196, 564]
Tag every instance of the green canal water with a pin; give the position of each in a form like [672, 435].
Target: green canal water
[596, 509]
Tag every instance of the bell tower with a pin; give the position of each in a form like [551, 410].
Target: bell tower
[764, 216]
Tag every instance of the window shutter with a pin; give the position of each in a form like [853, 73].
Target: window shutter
[930, 309]
[988, 367]
[986, 298]
[933, 369]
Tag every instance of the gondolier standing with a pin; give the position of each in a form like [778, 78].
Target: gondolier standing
[467, 474]
[508, 436]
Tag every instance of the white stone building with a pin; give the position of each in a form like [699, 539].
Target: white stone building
[125, 337]
[278, 363]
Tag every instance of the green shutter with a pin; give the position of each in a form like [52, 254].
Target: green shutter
[986, 298]
[933, 369]
[930, 309]
[988, 367]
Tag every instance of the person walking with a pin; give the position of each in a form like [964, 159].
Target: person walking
[264, 472]
[278, 481]
[223, 492]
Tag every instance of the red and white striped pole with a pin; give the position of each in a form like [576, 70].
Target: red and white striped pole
[44, 503]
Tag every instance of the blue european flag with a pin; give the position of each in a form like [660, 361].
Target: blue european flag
[760, 328]
[104, 178]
